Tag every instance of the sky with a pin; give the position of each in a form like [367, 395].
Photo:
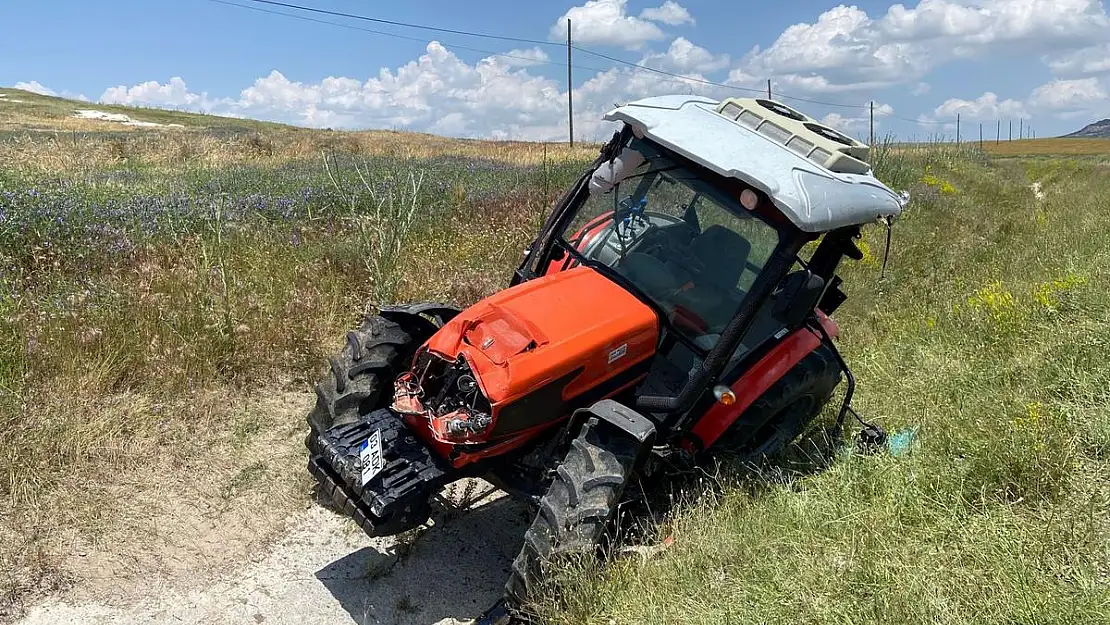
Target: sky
[1044, 64]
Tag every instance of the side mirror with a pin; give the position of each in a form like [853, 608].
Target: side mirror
[797, 296]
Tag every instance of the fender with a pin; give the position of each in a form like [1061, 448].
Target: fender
[413, 318]
[617, 415]
[756, 380]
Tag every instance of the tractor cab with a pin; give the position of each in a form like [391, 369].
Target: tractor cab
[700, 209]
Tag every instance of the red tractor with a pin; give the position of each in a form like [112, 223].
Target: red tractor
[663, 313]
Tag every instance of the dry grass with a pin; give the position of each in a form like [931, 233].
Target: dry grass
[44, 137]
[154, 311]
[1049, 147]
[154, 358]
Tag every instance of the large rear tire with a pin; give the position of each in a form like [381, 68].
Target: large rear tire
[362, 373]
[788, 407]
[575, 515]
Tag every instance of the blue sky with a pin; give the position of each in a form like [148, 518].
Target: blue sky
[1047, 61]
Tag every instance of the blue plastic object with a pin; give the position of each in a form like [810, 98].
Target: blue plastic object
[899, 443]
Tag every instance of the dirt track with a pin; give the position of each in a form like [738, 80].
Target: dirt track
[325, 571]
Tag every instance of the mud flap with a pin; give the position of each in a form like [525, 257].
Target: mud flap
[618, 418]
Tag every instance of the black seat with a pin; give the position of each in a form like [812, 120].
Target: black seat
[714, 295]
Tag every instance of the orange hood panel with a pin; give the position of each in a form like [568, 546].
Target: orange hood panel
[538, 331]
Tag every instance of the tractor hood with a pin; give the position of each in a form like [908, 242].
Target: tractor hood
[574, 327]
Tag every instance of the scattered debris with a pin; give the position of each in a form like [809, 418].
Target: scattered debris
[1037, 191]
[647, 552]
[119, 118]
[900, 443]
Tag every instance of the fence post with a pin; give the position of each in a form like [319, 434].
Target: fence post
[872, 122]
[570, 91]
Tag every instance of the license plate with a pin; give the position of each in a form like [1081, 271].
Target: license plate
[371, 456]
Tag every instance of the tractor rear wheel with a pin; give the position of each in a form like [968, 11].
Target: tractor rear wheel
[788, 407]
[361, 376]
[576, 514]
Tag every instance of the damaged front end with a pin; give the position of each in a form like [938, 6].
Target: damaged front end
[447, 394]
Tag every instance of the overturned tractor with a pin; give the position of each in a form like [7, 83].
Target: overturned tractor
[662, 313]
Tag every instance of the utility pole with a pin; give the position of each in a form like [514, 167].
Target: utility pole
[768, 88]
[872, 122]
[980, 135]
[998, 132]
[570, 90]
[1010, 134]
[1021, 129]
[957, 128]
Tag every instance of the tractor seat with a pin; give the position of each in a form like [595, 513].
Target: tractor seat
[714, 294]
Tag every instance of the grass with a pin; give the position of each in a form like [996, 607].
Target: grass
[988, 339]
[1050, 147]
[167, 296]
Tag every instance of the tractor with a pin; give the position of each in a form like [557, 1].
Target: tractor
[663, 313]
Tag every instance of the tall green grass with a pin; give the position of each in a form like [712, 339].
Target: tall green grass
[988, 339]
[143, 298]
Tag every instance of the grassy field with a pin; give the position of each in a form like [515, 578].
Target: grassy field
[164, 289]
[1049, 147]
[988, 339]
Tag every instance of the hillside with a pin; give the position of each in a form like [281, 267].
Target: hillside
[170, 294]
[23, 110]
[1097, 130]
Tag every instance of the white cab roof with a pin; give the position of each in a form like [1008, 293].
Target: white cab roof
[814, 198]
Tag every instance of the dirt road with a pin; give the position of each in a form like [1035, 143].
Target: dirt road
[324, 570]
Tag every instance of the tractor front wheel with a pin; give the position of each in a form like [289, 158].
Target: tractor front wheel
[576, 513]
[361, 376]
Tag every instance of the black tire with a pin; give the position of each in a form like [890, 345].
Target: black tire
[362, 373]
[787, 408]
[576, 513]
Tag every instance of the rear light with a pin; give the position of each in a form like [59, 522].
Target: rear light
[724, 395]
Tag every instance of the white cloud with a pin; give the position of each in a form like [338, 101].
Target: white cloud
[858, 124]
[174, 93]
[607, 22]
[525, 58]
[845, 48]
[437, 92]
[985, 107]
[35, 87]
[845, 124]
[1092, 60]
[921, 88]
[1069, 95]
[670, 13]
[686, 58]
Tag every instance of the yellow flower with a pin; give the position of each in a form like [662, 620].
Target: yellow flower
[945, 187]
[1045, 293]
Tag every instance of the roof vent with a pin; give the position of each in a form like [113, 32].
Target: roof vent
[799, 133]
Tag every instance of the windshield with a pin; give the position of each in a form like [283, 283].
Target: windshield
[690, 249]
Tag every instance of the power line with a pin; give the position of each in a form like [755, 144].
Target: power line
[453, 31]
[394, 35]
[710, 82]
[377, 20]
[676, 77]
[672, 76]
